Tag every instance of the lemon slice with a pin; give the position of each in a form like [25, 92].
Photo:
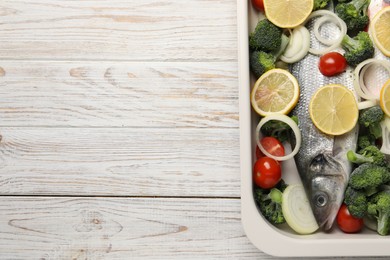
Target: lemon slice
[384, 100]
[288, 13]
[276, 91]
[380, 30]
[333, 109]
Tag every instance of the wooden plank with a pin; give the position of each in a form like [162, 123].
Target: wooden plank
[125, 228]
[117, 29]
[168, 94]
[122, 228]
[120, 161]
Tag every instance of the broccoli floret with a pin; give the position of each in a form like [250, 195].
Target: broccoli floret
[369, 154]
[260, 62]
[379, 208]
[356, 202]
[270, 202]
[358, 48]
[354, 14]
[278, 129]
[364, 141]
[368, 177]
[375, 154]
[319, 4]
[371, 118]
[266, 37]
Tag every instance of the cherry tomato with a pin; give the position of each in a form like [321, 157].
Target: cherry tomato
[273, 146]
[332, 63]
[258, 4]
[267, 172]
[259, 153]
[348, 223]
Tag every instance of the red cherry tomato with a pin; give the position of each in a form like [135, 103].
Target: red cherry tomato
[266, 172]
[258, 4]
[348, 223]
[332, 63]
[273, 146]
[259, 153]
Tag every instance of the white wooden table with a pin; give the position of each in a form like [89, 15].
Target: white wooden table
[119, 125]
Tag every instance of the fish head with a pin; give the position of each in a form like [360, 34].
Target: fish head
[326, 189]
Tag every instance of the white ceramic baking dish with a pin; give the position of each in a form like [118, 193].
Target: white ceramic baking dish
[266, 237]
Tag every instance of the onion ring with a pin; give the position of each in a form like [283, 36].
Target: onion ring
[366, 104]
[385, 125]
[359, 72]
[288, 121]
[330, 16]
[317, 25]
[299, 45]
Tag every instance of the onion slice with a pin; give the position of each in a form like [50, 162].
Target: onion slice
[294, 44]
[385, 125]
[360, 70]
[317, 25]
[297, 210]
[367, 104]
[298, 46]
[328, 16]
[289, 122]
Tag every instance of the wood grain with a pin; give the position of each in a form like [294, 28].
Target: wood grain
[120, 162]
[117, 94]
[125, 228]
[119, 98]
[148, 30]
[122, 228]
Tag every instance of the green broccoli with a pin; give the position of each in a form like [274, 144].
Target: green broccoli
[319, 4]
[358, 48]
[260, 62]
[379, 208]
[278, 129]
[356, 202]
[266, 37]
[270, 202]
[354, 14]
[371, 118]
[369, 154]
[367, 177]
[365, 140]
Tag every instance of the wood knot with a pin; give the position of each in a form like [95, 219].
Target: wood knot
[182, 229]
[78, 72]
[91, 221]
[2, 72]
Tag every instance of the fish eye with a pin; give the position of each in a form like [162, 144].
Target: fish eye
[320, 199]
